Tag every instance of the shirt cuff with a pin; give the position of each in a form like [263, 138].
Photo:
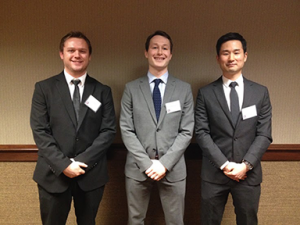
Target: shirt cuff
[224, 165]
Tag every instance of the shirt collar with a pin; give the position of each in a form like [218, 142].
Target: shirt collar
[69, 78]
[227, 82]
[164, 77]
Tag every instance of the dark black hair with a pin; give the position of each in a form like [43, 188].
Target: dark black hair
[228, 37]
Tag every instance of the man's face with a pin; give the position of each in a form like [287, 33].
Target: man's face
[231, 58]
[75, 56]
[159, 53]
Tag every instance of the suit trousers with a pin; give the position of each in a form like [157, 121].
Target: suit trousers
[55, 207]
[172, 197]
[214, 198]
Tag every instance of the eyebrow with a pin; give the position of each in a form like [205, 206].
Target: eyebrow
[234, 50]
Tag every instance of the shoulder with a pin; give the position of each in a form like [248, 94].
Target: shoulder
[178, 82]
[255, 86]
[97, 83]
[212, 85]
[136, 82]
[50, 82]
[51, 79]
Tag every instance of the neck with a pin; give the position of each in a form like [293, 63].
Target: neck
[157, 73]
[232, 77]
[76, 75]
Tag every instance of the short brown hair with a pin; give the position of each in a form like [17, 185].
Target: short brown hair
[74, 34]
[160, 33]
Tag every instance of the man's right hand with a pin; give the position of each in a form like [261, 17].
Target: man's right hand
[74, 169]
[232, 166]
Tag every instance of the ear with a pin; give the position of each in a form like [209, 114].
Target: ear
[217, 58]
[61, 54]
[246, 56]
[146, 54]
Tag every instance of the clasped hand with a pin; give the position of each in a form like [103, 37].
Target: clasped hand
[236, 171]
[75, 169]
[156, 171]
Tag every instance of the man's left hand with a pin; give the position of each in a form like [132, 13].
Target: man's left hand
[238, 172]
[156, 171]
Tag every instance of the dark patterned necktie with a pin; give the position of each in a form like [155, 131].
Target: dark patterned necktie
[76, 98]
[234, 103]
[157, 98]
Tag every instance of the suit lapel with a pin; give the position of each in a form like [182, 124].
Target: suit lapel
[247, 97]
[247, 93]
[64, 91]
[145, 89]
[170, 87]
[219, 92]
[89, 87]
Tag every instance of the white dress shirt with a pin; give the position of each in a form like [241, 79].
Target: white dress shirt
[239, 89]
[161, 86]
[71, 86]
[240, 92]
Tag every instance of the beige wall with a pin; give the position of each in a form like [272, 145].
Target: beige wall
[279, 202]
[31, 31]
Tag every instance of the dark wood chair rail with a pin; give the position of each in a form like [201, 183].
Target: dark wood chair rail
[28, 153]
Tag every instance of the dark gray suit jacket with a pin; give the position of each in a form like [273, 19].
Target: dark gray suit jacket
[142, 134]
[220, 141]
[53, 124]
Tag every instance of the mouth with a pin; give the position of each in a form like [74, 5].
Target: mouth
[76, 62]
[230, 65]
[159, 58]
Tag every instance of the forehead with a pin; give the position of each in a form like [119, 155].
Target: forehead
[75, 43]
[157, 39]
[231, 45]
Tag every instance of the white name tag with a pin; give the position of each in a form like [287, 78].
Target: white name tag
[249, 112]
[92, 103]
[173, 106]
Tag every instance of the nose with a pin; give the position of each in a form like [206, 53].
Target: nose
[76, 53]
[231, 56]
[159, 51]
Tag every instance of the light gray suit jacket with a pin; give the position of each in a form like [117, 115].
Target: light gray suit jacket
[142, 134]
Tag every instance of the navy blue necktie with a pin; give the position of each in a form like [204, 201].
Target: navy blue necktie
[234, 103]
[157, 98]
[76, 98]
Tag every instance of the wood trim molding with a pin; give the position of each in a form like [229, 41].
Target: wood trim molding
[28, 153]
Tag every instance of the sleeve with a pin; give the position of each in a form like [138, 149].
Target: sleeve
[202, 133]
[263, 132]
[129, 135]
[42, 133]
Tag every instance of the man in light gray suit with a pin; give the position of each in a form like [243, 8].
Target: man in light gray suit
[157, 122]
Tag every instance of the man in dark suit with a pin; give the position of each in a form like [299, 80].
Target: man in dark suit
[157, 122]
[73, 125]
[233, 130]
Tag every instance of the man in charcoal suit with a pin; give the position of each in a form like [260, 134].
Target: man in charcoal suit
[233, 130]
[73, 124]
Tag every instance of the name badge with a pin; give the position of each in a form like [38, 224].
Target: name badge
[92, 103]
[249, 112]
[173, 106]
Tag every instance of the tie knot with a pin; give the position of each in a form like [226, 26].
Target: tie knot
[157, 82]
[233, 84]
[76, 82]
